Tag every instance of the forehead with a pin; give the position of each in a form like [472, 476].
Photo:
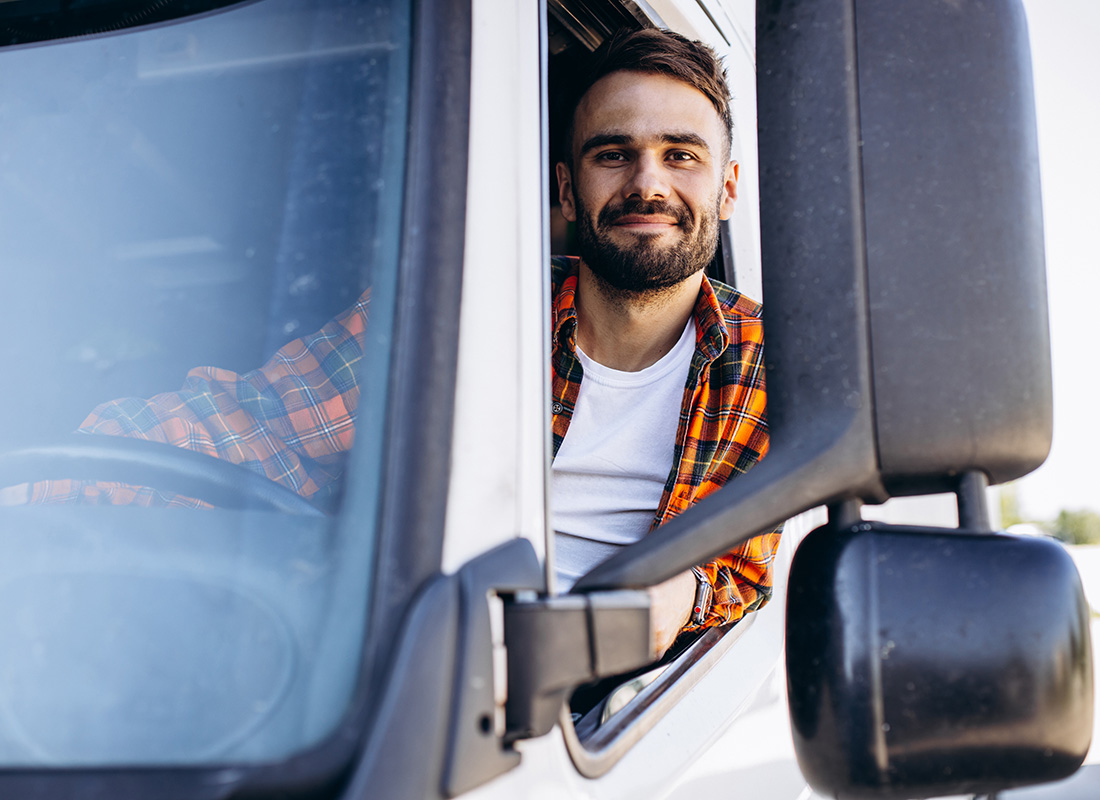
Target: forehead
[645, 106]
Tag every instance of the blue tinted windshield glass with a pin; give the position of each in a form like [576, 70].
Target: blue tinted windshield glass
[195, 219]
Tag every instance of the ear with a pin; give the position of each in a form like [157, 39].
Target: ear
[565, 192]
[729, 191]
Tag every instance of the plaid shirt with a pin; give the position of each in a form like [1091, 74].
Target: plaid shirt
[293, 419]
[722, 431]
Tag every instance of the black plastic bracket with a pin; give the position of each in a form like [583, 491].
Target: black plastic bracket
[520, 654]
[477, 750]
[557, 643]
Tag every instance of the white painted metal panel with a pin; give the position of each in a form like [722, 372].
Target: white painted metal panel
[497, 489]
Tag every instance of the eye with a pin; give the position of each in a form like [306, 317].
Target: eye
[611, 156]
[681, 155]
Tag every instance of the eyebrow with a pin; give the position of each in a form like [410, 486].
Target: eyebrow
[671, 137]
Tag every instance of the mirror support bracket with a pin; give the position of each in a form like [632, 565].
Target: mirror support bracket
[973, 506]
[845, 514]
[557, 643]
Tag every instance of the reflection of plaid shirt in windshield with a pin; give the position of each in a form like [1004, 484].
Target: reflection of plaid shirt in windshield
[293, 420]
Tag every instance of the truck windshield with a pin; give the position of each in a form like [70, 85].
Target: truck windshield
[195, 217]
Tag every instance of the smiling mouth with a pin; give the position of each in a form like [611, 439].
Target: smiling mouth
[645, 221]
[638, 217]
[646, 224]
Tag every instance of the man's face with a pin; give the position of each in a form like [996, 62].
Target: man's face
[650, 181]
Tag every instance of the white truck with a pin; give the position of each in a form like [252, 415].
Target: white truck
[199, 182]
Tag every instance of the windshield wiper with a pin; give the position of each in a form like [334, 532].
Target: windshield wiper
[28, 21]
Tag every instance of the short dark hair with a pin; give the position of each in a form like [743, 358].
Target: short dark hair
[657, 52]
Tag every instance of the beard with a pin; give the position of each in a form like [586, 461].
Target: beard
[644, 266]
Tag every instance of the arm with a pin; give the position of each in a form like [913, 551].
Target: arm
[742, 582]
[670, 609]
[290, 420]
[742, 579]
[735, 426]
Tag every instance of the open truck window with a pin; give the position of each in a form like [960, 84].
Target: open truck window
[608, 717]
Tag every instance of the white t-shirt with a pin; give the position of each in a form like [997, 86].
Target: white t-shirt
[612, 466]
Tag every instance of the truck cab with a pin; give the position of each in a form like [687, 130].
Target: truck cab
[189, 187]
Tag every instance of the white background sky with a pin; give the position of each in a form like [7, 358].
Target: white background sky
[1065, 42]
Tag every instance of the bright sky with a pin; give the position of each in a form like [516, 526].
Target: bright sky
[1066, 62]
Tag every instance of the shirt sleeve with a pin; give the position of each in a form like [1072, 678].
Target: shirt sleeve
[742, 580]
[291, 420]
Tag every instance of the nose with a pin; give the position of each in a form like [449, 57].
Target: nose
[647, 180]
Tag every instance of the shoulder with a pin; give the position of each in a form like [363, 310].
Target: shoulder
[734, 305]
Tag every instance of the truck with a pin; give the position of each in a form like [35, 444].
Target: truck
[200, 182]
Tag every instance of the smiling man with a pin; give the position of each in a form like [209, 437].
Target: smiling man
[657, 371]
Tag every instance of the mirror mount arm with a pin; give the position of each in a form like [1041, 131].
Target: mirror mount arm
[557, 643]
[973, 506]
[845, 514]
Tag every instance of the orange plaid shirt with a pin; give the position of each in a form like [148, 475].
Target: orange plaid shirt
[723, 426]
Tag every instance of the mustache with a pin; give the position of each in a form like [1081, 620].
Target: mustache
[612, 214]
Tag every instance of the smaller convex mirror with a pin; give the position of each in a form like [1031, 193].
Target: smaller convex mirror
[925, 662]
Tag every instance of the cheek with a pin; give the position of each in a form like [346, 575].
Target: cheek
[595, 191]
[706, 198]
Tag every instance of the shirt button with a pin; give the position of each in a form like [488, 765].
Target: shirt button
[557, 408]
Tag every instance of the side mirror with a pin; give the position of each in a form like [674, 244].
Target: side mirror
[907, 353]
[923, 663]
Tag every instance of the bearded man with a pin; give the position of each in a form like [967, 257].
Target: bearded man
[657, 371]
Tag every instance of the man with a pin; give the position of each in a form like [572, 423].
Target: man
[658, 382]
[658, 374]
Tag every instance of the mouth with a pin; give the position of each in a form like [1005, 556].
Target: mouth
[646, 222]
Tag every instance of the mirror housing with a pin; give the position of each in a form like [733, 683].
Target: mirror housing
[924, 662]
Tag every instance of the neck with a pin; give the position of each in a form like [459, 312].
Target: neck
[628, 331]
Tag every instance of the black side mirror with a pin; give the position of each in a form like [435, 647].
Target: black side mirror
[922, 663]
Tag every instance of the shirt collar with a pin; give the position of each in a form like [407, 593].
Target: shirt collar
[711, 335]
[564, 309]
